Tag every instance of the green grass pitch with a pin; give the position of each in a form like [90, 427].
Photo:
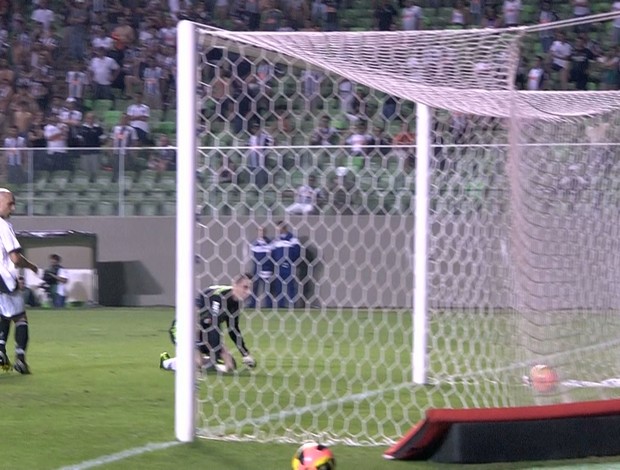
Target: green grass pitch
[96, 395]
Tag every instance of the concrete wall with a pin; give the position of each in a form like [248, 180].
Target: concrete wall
[351, 261]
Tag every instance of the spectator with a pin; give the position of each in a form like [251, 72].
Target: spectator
[476, 7]
[581, 8]
[37, 141]
[547, 15]
[77, 80]
[259, 141]
[104, 71]
[271, 16]
[491, 19]
[311, 88]
[536, 75]
[511, 13]
[286, 252]
[324, 134]
[47, 45]
[124, 34]
[125, 136]
[91, 137]
[165, 158]
[560, 52]
[252, 14]
[580, 60]
[384, 16]
[6, 96]
[72, 118]
[402, 139]
[151, 77]
[358, 139]
[23, 96]
[296, 11]
[330, 15]
[345, 94]
[615, 30]
[262, 270]
[55, 277]
[43, 15]
[14, 146]
[379, 141]
[56, 136]
[308, 198]
[30, 298]
[412, 16]
[611, 71]
[75, 33]
[460, 15]
[139, 114]
[100, 40]
[22, 118]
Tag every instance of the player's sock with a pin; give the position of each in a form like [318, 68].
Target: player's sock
[166, 362]
[21, 336]
[5, 326]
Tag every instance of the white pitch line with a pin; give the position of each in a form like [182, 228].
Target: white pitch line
[121, 455]
[257, 421]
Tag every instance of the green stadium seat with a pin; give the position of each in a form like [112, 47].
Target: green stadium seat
[101, 106]
[111, 118]
[168, 208]
[40, 206]
[149, 207]
[82, 207]
[165, 127]
[80, 181]
[59, 180]
[60, 207]
[104, 208]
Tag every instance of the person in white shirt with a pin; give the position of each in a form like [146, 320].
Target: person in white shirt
[307, 198]
[511, 12]
[12, 308]
[100, 39]
[560, 52]
[14, 146]
[139, 114]
[536, 75]
[43, 15]
[412, 16]
[57, 134]
[104, 71]
[358, 139]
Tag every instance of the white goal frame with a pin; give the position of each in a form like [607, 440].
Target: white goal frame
[185, 378]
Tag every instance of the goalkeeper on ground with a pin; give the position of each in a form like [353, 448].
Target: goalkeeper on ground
[217, 306]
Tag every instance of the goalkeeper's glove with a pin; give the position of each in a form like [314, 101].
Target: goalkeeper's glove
[249, 361]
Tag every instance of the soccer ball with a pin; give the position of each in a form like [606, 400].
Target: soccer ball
[313, 456]
[544, 379]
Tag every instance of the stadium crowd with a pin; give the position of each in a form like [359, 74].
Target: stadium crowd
[92, 73]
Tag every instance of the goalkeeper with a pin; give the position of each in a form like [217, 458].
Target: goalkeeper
[217, 305]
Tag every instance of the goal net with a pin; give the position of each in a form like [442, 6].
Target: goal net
[439, 196]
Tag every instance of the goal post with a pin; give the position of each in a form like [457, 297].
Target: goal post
[433, 273]
[185, 293]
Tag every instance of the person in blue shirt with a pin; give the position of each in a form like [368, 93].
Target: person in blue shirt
[262, 270]
[285, 254]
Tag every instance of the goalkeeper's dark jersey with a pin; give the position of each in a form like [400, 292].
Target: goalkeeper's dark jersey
[216, 306]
